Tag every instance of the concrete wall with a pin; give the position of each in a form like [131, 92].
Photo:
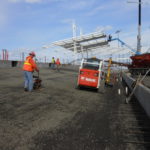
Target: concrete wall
[70, 67]
[43, 65]
[142, 93]
[9, 64]
[4, 64]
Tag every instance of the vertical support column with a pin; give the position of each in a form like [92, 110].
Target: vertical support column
[3, 54]
[139, 29]
[87, 53]
[6, 55]
[45, 59]
[82, 51]
[74, 38]
[75, 50]
[22, 56]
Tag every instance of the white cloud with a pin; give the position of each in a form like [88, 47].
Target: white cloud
[26, 1]
[4, 13]
[130, 38]
[111, 7]
[146, 2]
[77, 4]
[95, 11]
[104, 28]
[14, 1]
[67, 21]
[34, 1]
[3, 19]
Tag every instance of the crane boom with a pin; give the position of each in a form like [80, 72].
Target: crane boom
[124, 44]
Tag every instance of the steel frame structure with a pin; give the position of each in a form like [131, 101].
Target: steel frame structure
[82, 43]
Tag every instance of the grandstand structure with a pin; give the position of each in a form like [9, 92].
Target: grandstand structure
[94, 45]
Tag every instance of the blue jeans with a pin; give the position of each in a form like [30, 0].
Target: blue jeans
[52, 65]
[28, 77]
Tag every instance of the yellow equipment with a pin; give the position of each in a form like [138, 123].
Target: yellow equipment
[107, 81]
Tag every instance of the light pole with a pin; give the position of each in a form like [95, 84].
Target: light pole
[139, 26]
[139, 29]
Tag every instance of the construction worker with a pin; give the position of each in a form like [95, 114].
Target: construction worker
[109, 38]
[58, 64]
[28, 68]
[53, 63]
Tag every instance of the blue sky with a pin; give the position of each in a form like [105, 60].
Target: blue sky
[32, 23]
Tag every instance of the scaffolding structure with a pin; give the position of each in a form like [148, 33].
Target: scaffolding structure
[83, 43]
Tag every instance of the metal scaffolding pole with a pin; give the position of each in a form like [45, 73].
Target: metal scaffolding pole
[139, 29]
[74, 37]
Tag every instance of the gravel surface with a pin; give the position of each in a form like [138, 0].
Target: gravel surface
[60, 117]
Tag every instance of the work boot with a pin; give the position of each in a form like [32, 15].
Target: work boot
[25, 89]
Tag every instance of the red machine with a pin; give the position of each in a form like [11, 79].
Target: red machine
[140, 64]
[90, 73]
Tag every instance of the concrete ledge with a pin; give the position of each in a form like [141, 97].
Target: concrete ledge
[11, 63]
[74, 68]
[4, 64]
[142, 93]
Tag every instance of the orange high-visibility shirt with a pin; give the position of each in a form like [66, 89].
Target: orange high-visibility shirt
[29, 64]
[57, 62]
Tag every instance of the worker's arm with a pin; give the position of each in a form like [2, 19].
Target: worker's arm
[34, 66]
